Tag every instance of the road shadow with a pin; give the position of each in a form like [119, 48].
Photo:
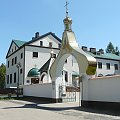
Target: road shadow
[38, 104]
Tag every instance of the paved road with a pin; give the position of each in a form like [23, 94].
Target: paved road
[23, 110]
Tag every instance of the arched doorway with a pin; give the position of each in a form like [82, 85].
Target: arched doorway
[86, 63]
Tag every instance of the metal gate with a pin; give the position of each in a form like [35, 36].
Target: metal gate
[67, 93]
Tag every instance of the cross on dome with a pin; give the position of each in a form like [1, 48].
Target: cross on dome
[66, 8]
[67, 21]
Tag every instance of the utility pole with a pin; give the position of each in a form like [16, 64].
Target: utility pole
[18, 67]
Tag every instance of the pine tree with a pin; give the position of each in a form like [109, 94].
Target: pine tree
[110, 48]
[117, 51]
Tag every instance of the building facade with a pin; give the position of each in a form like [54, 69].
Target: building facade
[32, 56]
[29, 62]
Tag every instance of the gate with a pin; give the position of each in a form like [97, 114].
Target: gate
[67, 93]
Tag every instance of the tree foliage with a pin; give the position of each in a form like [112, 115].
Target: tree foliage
[117, 51]
[111, 49]
[2, 75]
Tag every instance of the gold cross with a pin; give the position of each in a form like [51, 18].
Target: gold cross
[66, 8]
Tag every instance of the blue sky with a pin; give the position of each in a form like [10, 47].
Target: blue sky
[95, 22]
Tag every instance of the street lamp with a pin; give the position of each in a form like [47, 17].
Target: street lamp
[18, 66]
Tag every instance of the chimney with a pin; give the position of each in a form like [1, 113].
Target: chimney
[98, 53]
[36, 34]
[84, 48]
[93, 50]
[33, 38]
[101, 51]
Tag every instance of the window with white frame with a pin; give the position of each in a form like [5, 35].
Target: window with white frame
[108, 66]
[99, 65]
[116, 66]
[35, 54]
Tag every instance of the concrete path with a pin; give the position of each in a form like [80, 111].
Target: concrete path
[23, 110]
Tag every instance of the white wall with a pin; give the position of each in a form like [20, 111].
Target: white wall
[46, 41]
[43, 57]
[12, 68]
[38, 90]
[105, 89]
[12, 48]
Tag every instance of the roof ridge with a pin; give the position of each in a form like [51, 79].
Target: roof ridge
[19, 43]
[18, 40]
[44, 35]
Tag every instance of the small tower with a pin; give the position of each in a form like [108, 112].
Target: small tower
[67, 22]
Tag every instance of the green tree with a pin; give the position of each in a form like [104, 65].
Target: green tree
[2, 75]
[117, 51]
[110, 48]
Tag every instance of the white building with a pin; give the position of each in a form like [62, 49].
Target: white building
[108, 64]
[34, 60]
[32, 57]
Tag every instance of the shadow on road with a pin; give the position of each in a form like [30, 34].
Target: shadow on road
[35, 104]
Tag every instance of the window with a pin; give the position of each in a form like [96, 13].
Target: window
[35, 54]
[12, 50]
[28, 81]
[34, 80]
[14, 77]
[59, 45]
[15, 60]
[7, 79]
[8, 64]
[99, 65]
[50, 44]
[41, 43]
[116, 66]
[21, 71]
[21, 55]
[66, 61]
[66, 76]
[12, 61]
[10, 78]
[15, 47]
[108, 66]
[53, 55]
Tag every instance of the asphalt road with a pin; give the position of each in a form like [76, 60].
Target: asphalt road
[24, 110]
